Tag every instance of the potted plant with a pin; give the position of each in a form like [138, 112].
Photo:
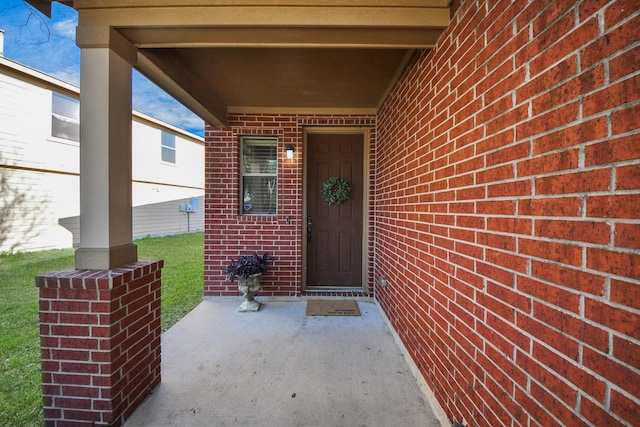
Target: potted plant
[248, 270]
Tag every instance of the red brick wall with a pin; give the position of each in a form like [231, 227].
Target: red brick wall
[510, 234]
[100, 338]
[228, 234]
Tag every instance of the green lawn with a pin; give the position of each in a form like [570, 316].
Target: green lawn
[20, 394]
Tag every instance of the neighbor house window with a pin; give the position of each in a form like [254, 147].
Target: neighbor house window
[168, 147]
[65, 117]
[258, 175]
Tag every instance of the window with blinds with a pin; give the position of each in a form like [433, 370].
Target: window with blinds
[168, 147]
[65, 117]
[258, 175]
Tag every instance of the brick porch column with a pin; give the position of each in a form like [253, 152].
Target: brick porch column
[100, 337]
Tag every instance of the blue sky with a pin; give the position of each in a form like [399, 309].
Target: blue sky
[48, 45]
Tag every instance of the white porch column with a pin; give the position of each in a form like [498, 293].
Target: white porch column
[105, 161]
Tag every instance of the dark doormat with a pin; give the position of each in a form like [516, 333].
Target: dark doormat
[332, 307]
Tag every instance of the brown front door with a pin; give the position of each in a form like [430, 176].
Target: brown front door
[334, 232]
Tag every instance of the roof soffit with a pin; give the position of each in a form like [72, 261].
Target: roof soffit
[215, 55]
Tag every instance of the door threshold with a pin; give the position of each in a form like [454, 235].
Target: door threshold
[336, 292]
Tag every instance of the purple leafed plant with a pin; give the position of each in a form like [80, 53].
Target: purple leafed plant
[247, 266]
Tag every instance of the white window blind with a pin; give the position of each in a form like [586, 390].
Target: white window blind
[65, 117]
[168, 147]
[259, 175]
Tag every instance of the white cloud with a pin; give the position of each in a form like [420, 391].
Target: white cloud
[151, 100]
[169, 111]
[66, 28]
[68, 74]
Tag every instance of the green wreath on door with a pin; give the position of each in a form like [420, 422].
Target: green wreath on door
[336, 190]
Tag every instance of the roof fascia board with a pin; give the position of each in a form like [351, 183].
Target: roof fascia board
[38, 78]
[89, 4]
[267, 16]
[317, 37]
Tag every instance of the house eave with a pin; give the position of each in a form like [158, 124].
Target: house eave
[284, 43]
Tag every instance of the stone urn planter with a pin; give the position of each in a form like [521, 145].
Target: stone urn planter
[249, 288]
[248, 270]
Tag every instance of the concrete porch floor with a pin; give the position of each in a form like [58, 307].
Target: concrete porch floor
[278, 367]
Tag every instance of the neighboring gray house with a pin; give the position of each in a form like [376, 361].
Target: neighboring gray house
[39, 166]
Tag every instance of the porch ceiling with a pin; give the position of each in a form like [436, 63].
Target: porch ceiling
[221, 56]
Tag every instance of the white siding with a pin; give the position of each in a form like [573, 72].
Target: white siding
[31, 204]
[157, 219]
[156, 181]
[39, 174]
[24, 123]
